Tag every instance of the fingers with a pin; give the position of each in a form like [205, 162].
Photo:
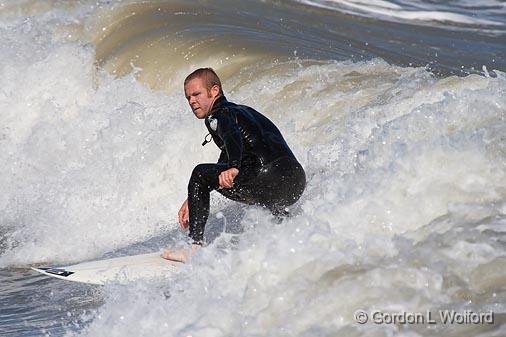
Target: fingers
[180, 217]
[183, 216]
[226, 179]
[186, 216]
[184, 221]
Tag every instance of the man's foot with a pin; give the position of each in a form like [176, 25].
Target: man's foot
[180, 255]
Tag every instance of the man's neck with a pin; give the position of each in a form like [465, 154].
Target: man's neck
[218, 101]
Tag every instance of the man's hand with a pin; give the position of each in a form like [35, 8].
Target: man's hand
[227, 177]
[180, 255]
[184, 215]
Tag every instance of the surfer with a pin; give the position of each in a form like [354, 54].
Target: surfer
[255, 166]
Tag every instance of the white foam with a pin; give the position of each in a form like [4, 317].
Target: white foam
[404, 11]
[386, 154]
[89, 162]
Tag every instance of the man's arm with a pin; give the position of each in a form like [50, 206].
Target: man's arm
[229, 132]
[223, 159]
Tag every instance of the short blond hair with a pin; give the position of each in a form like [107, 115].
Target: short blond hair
[208, 76]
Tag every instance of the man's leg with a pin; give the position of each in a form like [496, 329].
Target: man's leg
[203, 180]
[276, 186]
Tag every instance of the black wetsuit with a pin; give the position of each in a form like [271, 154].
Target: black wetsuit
[269, 174]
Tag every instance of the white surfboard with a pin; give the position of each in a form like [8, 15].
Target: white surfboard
[120, 269]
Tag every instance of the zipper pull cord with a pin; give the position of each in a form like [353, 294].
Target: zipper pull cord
[206, 140]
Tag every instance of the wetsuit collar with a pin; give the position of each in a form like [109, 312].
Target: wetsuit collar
[218, 104]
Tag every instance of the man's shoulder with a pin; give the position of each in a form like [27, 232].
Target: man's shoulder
[231, 106]
[230, 109]
[241, 108]
[238, 112]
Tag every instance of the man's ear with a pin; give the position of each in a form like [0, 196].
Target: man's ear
[215, 90]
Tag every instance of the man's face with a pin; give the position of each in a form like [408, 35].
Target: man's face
[199, 99]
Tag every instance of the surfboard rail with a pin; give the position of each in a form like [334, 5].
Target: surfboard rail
[122, 269]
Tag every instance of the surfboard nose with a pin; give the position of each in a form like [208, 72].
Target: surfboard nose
[54, 271]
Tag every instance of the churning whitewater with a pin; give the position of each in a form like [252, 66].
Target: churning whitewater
[401, 134]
